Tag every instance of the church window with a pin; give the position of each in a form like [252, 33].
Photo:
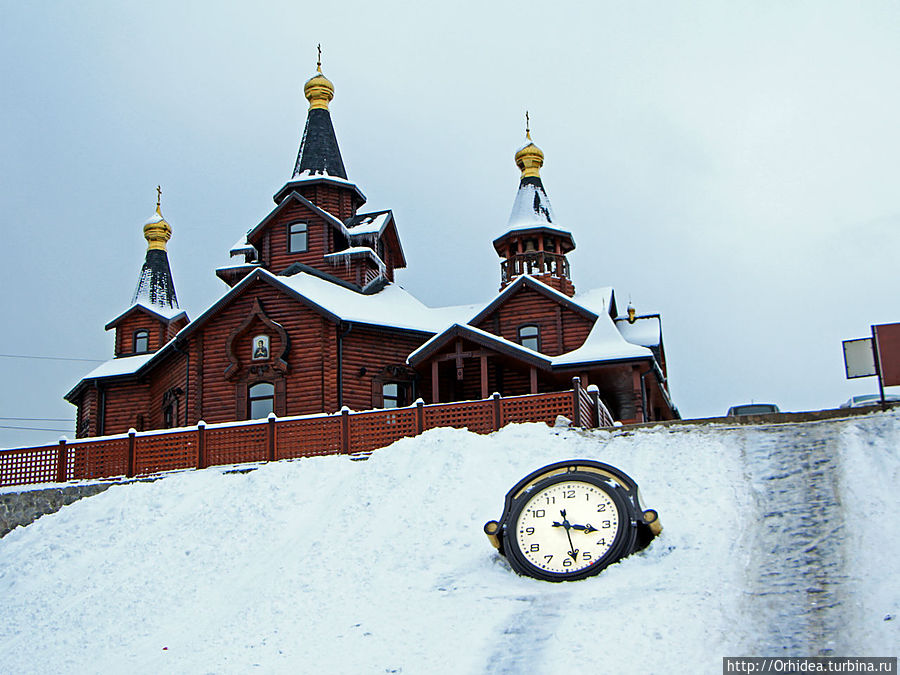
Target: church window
[141, 342]
[298, 238]
[529, 336]
[390, 394]
[260, 400]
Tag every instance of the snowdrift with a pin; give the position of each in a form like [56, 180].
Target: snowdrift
[777, 541]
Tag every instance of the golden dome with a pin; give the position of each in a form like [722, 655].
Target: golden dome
[156, 230]
[318, 89]
[529, 159]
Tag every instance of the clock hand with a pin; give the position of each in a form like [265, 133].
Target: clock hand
[565, 523]
[587, 528]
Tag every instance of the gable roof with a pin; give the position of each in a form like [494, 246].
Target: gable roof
[482, 338]
[369, 223]
[370, 226]
[604, 344]
[165, 314]
[536, 285]
[296, 196]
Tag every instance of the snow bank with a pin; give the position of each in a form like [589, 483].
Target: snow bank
[328, 565]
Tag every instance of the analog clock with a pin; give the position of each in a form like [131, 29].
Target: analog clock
[571, 519]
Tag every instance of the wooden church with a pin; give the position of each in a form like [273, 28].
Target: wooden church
[313, 321]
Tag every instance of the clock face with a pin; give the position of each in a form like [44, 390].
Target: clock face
[568, 526]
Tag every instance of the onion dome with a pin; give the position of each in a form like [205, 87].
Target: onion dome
[318, 89]
[530, 159]
[157, 231]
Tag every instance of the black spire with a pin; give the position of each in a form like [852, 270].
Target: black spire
[155, 286]
[319, 152]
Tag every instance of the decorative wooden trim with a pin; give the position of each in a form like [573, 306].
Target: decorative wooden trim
[256, 313]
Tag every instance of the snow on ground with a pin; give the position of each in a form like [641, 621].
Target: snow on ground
[325, 565]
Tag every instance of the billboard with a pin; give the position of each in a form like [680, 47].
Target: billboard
[887, 346]
[859, 358]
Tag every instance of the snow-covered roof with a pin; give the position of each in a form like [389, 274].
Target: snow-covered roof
[310, 175]
[597, 300]
[166, 313]
[531, 207]
[243, 247]
[646, 330]
[241, 266]
[536, 284]
[393, 306]
[482, 336]
[369, 223]
[125, 365]
[356, 251]
[603, 343]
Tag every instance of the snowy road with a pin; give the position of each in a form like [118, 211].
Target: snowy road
[777, 540]
[799, 569]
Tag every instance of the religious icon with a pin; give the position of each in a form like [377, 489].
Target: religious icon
[260, 347]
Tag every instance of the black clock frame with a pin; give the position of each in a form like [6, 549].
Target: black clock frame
[637, 526]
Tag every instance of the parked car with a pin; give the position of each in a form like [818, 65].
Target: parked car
[863, 400]
[752, 409]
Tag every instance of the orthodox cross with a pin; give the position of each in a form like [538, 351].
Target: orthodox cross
[459, 360]
[527, 126]
[158, 195]
[319, 61]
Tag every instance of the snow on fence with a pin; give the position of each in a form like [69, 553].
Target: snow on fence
[346, 432]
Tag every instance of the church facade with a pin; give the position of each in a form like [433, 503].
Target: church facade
[312, 320]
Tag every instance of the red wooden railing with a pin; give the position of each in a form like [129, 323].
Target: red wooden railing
[150, 452]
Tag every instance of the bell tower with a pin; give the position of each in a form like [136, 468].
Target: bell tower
[533, 243]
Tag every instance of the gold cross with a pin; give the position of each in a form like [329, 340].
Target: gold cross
[527, 126]
[158, 195]
[319, 62]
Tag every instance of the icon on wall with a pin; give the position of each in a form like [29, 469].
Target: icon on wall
[260, 347]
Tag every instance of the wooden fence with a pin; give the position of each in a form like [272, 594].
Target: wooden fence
[346, 432]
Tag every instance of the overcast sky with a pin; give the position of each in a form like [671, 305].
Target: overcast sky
[731, 165]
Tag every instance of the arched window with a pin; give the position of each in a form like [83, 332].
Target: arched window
[529, 336]
[298, 238]
[260, 400]
[141, 342]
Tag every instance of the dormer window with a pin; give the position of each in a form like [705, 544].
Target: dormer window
[529, 336]
[141, 342]
[298, 238]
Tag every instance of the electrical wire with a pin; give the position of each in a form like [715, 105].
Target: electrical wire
[48, 358]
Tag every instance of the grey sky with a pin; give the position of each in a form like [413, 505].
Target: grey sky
[732, 165]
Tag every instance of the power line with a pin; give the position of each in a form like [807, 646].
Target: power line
[38, 419]
[3, 426]
[48, 358]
